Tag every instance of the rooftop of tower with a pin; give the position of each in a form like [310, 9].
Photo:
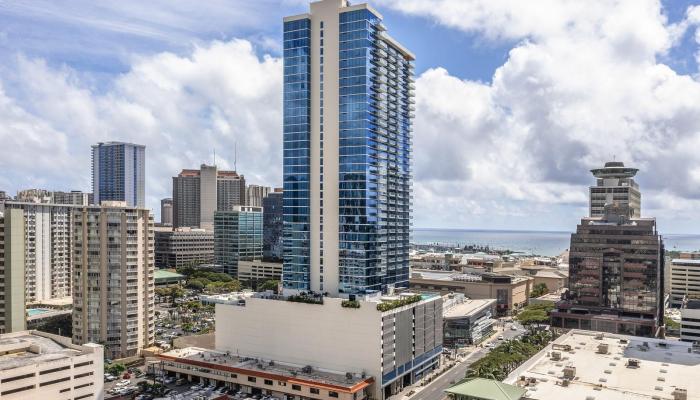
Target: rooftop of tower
[614, 169]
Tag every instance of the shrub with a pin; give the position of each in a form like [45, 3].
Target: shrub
[390, 305]
[306, 298]
[350, 304]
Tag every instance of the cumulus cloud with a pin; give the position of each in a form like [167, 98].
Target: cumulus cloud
[582, 85]
[182, 108]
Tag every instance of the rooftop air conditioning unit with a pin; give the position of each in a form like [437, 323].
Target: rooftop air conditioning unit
[603, 348]
[680, 394]
[632, 363]
[569, 372]
[556, 356]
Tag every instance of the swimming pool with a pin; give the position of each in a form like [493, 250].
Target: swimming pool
[37, 311]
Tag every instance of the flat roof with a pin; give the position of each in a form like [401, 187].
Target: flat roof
[26, 348]
[271, 369]
[486, 389]
[165, 274]
[664, 365]
[685, 261]
[467, 307]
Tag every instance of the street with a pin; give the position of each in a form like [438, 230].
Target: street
[435, 389]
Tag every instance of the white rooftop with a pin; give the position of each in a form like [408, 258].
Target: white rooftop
[664, 365]
[467, 307]
[685, 261]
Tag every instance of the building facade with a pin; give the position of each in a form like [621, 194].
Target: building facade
[198, 194]
[166, 212]
[39, 365]
[467, 321]
[614, 184]
[12, 317]
[183, 247]
[348, 111]
[255, 194]
[113, 278]
[690, 321]
[74, 197]
[119, 173]
[237, 237]
[685, 279]
[397, 346]
[273, 223]
[616, 266]
[254, 273]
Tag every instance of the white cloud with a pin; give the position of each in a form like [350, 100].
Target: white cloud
[181, 108]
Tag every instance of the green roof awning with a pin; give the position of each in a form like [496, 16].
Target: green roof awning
[487, 389]
[165, 274]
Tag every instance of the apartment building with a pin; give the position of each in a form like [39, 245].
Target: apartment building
[119, 173]
[255, 194]
[273, 223]
[238, 235]
[38, 365]
[166, 212]
[113, 278]
[685, 278]
[183, 247]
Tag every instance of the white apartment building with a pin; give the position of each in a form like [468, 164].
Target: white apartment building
[38, 365]
[113, 277]
[367, 337]
[685, 280]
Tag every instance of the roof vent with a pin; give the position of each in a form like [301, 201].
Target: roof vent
[556, 356]
[633, 363]
[569, 372]
[603, 348]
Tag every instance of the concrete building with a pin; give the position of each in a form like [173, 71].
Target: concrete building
[12, 317]
[166, 212]
[616, 265]
[273, 222]
[33, 196]
[590, 365]
[238, 236]
[690, 321]
[254, 273]
[119, 173]
[183, 247]
[113, 278]
[74, 197]
[615, 184]
[685, 279]
[45, 239]
[395, 347]
[467, 321]
[511, 292]
[255, 194]
[198, 194]
[38, 365]
[436, 261]
[347, 181]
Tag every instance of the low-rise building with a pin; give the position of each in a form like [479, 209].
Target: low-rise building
[690, 321]
[592, 365]
[320, 347]
[163, 277]
[39, 365]
[253, 273]
[511, 292]
[466, 321]
[183, 247]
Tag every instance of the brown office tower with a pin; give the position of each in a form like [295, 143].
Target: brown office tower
[616, 266]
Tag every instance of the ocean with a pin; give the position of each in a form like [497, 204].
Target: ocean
[531, 242]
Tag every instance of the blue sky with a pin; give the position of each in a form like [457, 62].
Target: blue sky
[515, 103]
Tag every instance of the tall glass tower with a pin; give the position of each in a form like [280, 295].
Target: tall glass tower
[348, 110]
[119, 173]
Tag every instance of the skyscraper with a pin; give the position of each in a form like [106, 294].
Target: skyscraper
[197, 194]
[113, 278]
[119, 173]
[255, 194]
[238, 236]
[348, 110]
[166, 211]
[615, 184]
[272, 225]
[616, 264]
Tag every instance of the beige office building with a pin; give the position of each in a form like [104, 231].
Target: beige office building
[38, 365]
[511, 292]
[113, 276]
[257, 272]
[685, 279]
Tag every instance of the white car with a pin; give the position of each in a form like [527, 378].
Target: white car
[500, 337]
[513, 328]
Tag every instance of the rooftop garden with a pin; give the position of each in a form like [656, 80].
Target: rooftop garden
[308, 298]
[390, 305]
[350, 304]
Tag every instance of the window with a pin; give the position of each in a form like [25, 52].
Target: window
[268, 382]
[52, 370]
[82, 364]
[314, 391]
[234, 376]
[16, 378]
[6, 392]
[53, 382]
[82, 375]
[282, 383]
[85, 396]
[332, 394]
[84, 385]
[251, 379]
[296, 387]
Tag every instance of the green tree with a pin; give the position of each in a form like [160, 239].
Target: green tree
[539, 290]
[115, 369]
[269, 285]
[196, 284]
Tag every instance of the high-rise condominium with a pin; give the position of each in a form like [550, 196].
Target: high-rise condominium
[166, 211]
[12, 310]
[118, 173]
[348, 110]
[615, 184]
[197, 194]
[238, 236]
[272, 225]
[113, 278]
[255, 194]
[44, 240]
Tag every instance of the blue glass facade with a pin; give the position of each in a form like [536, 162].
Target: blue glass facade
[374, 105]
[118, 173]
[297, 132]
